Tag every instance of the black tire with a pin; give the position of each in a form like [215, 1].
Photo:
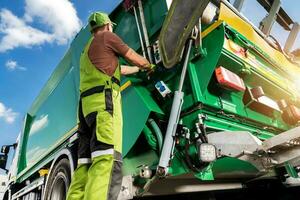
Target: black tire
[58, 181]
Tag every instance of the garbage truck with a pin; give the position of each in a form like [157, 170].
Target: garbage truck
[221, 110]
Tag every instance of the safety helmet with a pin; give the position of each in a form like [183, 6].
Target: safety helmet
[98, 19]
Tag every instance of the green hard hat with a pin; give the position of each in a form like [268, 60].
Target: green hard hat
[98, 19]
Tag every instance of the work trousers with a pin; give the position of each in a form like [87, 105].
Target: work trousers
[98, 174]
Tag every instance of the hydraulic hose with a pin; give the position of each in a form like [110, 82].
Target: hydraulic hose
[157, 132]
[203, 132]
[187, 157]
[149, 137]
[153, 143]
[189, 161]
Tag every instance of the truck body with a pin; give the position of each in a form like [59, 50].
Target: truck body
[238, 121]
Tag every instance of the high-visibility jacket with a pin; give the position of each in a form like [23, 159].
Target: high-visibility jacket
[101, 93]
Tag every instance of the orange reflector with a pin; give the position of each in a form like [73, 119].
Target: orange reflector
[229, 80]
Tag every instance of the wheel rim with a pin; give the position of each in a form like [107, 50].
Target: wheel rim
[59, 187]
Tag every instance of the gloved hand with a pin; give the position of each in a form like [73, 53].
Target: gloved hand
[148, 68]
[151, 69]
[152, 66]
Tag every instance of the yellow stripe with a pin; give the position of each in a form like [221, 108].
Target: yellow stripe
[211, 28]
[231, 46]
[251, 60]
[246, 30]
[125, 85]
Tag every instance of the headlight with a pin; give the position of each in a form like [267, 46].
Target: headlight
[207, 152]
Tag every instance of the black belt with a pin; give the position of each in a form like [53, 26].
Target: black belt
[97, 89]
[115, 80]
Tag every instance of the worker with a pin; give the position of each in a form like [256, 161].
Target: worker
[98, 174]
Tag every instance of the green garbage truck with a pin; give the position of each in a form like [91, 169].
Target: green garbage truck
[220, 112]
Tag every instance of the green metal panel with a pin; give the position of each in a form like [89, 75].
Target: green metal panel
[233, 168]
[54, 118]
[23, 143]
[59, 73]
[60, 106]
[265, 63]
[137, 105]
[213, 43]
[194, 82]
[207, 91]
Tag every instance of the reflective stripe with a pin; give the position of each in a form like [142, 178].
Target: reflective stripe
[102, 152]
[84, 160]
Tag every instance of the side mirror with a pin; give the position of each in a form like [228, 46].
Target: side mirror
[5, 149]
[3, 161]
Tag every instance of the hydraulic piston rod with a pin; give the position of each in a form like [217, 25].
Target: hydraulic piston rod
[143, 23]
[169, 143]
[139, 31]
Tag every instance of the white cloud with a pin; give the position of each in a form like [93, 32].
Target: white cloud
[39, 124]
[57, 17]
[17, 33]
[13, 65]
[7, 114]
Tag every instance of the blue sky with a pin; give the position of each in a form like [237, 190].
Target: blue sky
[35, 34]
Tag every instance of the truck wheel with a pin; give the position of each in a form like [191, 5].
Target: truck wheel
[59, 181]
